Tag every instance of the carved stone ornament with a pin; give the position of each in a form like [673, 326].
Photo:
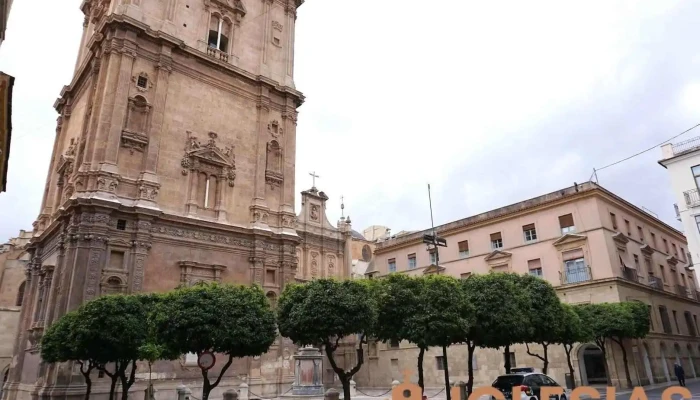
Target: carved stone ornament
[277, 26]
[275, 129]
[148, 191]
[331, 262]
[142, 81]
[315, 212]
[134, 141]
[289, 221]
[224, 6]
[107, 184]
[209, 157]
[260, 216]
[98, 10]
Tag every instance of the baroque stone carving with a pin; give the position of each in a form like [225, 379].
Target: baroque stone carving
[93, 273]
[209, 158]
[148, 191]
[315, 212]
[142, 81]
[275, 129]
[277, 26]
[134, 141]
[289, 221]
[107, 184]
[140, 260]
[209, 237]
[331, 262]
[227, 6]
[192, 272]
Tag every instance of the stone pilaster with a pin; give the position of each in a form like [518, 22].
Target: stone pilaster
[15, 374]
[106, 101]
[291, 15]
[164, 68]
[288, 164]
[139, 255]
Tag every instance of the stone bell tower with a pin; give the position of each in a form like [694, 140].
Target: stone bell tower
[173, 163]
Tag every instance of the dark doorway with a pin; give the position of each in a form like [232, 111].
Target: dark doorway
[595, 366]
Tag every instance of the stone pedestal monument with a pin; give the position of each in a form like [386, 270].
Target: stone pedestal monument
[308, 378]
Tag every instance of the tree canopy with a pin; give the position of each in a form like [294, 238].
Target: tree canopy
[233, 320]
[324, 311]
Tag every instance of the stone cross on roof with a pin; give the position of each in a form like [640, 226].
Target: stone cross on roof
[313, 176]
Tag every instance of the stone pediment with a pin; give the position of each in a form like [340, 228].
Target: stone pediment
[498, 255]
[569, 238]
[619, 237]
[235, 6]
[647, 250]
[433, 269]
[672, 260]
[211, 155]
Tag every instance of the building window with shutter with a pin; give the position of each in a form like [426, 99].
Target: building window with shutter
[20, 294]
[665, 322]
[411, 261]
[566, 223]
[629, 230]
[463, 249]
[675, 320]
[392, 265]
[219, 32]
[640, 231]
[575, 269]
[666, 246]
[613, 219]
[653, 239]
[535, 267]
[496, 241]
[433, 257]
[529, 233]
[675, 249]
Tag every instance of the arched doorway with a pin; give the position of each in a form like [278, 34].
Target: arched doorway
[592, 365]
[647, 363]
[664, 362]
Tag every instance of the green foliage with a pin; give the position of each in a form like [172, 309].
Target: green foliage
[546, 315]
[324, 310]
[574, 330]
[235, 320]
[58, 343]
[443, 313]
[497, 305]
[640, 317]
[398, 305]
[613, 320]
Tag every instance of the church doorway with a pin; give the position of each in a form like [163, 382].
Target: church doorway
[592, 365]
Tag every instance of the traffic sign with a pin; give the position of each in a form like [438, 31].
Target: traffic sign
[206, 360]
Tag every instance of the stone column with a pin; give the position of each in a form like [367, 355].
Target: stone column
[106, 101]
[288, 163]
[121, 97]
[221, 188]
[193, 184]
[291, 13]
[164, 68]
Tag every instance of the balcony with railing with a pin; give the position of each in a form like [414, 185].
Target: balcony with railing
[692, 198]
[575, 274]
[686, 146]
[656, 283]
[630, 274]
[683, 291]
[216, 53]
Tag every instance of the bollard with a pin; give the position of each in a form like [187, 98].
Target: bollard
[331, 394]
[183, 393]
[230, 395]
[243, 391]
[395, 383]
[353, 388]
[462, 390]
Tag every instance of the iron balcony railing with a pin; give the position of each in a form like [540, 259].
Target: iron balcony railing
[682, 291]
[692, 198]
[656, 283]
[630, 274]
[575, 275]
[686, 146]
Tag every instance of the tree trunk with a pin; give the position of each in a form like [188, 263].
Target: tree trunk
[546, 357]
[207, 387]
[470, 367]
[421, 383]
[624, 360]
[86, 375]
[113, 387]
[127, 382]
[506, 365]
[568, 349]
[447, 372]
[346, 387]
[601, 345]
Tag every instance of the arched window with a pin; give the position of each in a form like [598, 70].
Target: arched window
[113, 286]
[274, 157]
[219, 30]
[20, 294]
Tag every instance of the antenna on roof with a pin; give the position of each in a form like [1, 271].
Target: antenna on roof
[433, 240]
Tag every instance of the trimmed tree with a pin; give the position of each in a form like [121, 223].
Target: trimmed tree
[236, 321]
[615, 322]
[442, 320]
[574, 331]
[497, 303]
[398, 306]
[546, 316]
[112, 330]
[325, 311]
[58, 344]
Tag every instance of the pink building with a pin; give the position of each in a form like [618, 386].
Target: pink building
[593, 246]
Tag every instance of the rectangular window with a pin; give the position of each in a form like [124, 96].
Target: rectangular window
[665, 322]
[392, 265]
[629, 230]
[683, 255]
[116, 260]
[433, 257]
[496, 241]
[465, 275]
[636, 262]
[566, 223]
[663, 273]
[411, 261]
[440, 362]
[696, 174]
[121, 224]
[647, 264]
[689, 323]
[613, 219]
[695, 320]
[463, 249]
[535, 267]
[529, 232]
[640, 231]
[666, 246]
[675, 320]
[653, 239]
[675, 249]
[575, 269]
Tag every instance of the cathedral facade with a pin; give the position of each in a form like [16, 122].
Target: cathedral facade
[174, 163]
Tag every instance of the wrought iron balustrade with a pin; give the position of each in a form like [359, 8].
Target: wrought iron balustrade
[692, 198]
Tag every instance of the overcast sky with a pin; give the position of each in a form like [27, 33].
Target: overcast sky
[491, 102]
